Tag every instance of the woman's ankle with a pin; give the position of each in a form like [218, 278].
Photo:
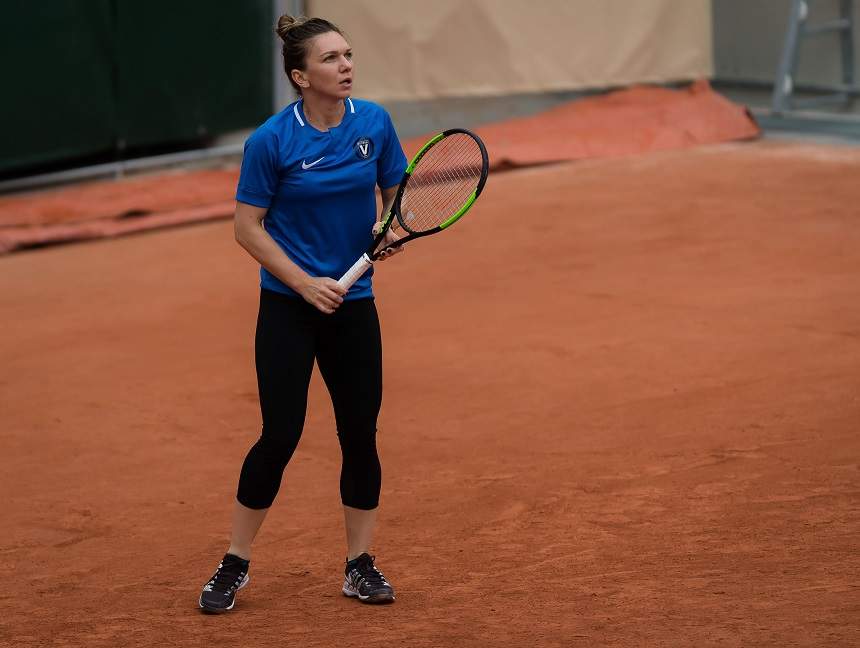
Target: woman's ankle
[243, 552]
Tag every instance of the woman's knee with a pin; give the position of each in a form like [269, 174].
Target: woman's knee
[358, 441]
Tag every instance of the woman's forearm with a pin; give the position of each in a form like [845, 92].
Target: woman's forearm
[388, 195]
[260, 245]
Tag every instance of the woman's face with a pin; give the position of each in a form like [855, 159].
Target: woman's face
[328, 66]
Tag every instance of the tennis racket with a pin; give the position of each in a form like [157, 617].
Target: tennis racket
[440, 184]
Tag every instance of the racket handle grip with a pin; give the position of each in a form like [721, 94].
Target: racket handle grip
[354, 273]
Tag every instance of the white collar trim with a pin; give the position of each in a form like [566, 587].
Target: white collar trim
[299, 117]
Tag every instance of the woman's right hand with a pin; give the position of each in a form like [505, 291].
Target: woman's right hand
[324, 293]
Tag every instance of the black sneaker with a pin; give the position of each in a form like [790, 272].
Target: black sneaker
[366, 582]
[219, 594]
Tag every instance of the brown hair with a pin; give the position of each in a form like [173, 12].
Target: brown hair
[297, 32]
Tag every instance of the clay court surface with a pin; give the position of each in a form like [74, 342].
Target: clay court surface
[621, 409]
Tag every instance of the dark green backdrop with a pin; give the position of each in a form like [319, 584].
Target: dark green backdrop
[83, 78]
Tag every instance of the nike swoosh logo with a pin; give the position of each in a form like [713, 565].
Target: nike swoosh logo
[307, 166]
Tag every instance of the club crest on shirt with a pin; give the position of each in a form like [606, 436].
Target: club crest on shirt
[363, 147]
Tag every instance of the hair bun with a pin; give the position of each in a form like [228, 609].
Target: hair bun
[286, 23]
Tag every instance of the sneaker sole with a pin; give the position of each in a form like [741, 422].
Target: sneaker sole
[216, 610]
[380, 599]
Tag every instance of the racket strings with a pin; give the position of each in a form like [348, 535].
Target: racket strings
[433, 204]
[453, 165]
[442, 182]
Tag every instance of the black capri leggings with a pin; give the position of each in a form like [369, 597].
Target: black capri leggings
[348, 349]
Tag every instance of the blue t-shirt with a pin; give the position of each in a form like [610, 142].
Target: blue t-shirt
[319, 187]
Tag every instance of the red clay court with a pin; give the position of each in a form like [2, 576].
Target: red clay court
[621, 409]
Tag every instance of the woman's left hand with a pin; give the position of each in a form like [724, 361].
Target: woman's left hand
[390, 237]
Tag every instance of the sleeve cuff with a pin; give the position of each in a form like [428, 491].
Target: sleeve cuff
[391, 179]
[251, 198]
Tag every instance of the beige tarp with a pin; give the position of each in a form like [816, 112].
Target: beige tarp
[407, 49]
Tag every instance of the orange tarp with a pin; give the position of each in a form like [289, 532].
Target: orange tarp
[626, 122]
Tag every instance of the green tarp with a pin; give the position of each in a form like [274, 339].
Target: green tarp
[102, 76]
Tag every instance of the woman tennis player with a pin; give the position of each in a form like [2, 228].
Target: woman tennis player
[306, 208]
